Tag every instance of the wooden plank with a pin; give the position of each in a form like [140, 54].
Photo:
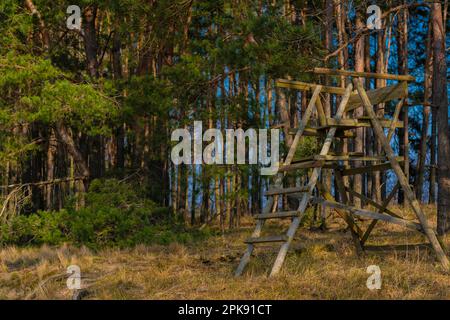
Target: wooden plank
[277, 215]
[374, 215]
[313, 179]
[380, 95]
[351, 158]
[271, 204]
[314, 132]
[274, 192]
[358, 123]
[272, 239]
[403, 181]
[321, 112]
[386, 76]
[374, 222]
[328, 196]
[382, 208]
[297, 85]
[373, 168]
[303, 165]
[349, 218]
[396, 116]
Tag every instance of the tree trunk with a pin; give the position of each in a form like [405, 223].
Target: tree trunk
[45, 37]
[440, 101]
[402, 53]
[51, 155]
[359, 112]
[426, 116]
[379, 177]
[90, 40]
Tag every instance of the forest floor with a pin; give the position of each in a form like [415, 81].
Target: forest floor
[320, 265]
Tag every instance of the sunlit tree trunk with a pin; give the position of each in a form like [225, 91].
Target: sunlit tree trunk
[440, 101]
[402, 54]
[426, 115]
[359, 140]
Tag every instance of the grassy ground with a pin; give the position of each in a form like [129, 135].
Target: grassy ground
[320, 265]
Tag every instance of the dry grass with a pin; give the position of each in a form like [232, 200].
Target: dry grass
[321, 265]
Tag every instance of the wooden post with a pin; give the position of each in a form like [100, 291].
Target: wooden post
[344, 198]
[381, 209]
[403, 181]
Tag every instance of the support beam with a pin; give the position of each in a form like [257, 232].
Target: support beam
[351, 221]
[374, 215]
[326, 194]
[382, 208]
[385, 76]
[303, 86]
[374, 222]
[367, 169]
[358, 123]
[380, 95]
[404, 183]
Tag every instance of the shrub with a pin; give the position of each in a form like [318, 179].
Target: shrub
[114, 215]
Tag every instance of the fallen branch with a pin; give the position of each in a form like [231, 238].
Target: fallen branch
[43, 183]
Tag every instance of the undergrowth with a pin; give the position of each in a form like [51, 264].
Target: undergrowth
[114, 215]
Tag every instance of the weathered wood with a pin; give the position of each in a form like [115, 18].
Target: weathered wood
[297, 85]
[270, 207]
[376, 96]
[277, 215]
[339, 157]
[315, 132]
[329, 197]
[403, 181]
[395, 118]
[368, 169]
[321, 112]
[303, 125]
[273, 192]
[386, 76]
[349, 218]
[271, 239]
[352, 158]
[312, 183]
[374, 215]
[358, 123]
[384, 206]
[380, 95]
[299, 166]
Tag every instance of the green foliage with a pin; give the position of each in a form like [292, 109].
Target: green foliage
[308, 147]
[32, 90]
[115, 215]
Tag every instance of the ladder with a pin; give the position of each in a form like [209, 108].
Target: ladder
[269, 212]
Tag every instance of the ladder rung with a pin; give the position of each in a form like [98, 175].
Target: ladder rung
[274, 192]
[267, 239]
[277, 215]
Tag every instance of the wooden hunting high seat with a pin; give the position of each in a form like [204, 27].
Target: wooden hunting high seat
[331, 131]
